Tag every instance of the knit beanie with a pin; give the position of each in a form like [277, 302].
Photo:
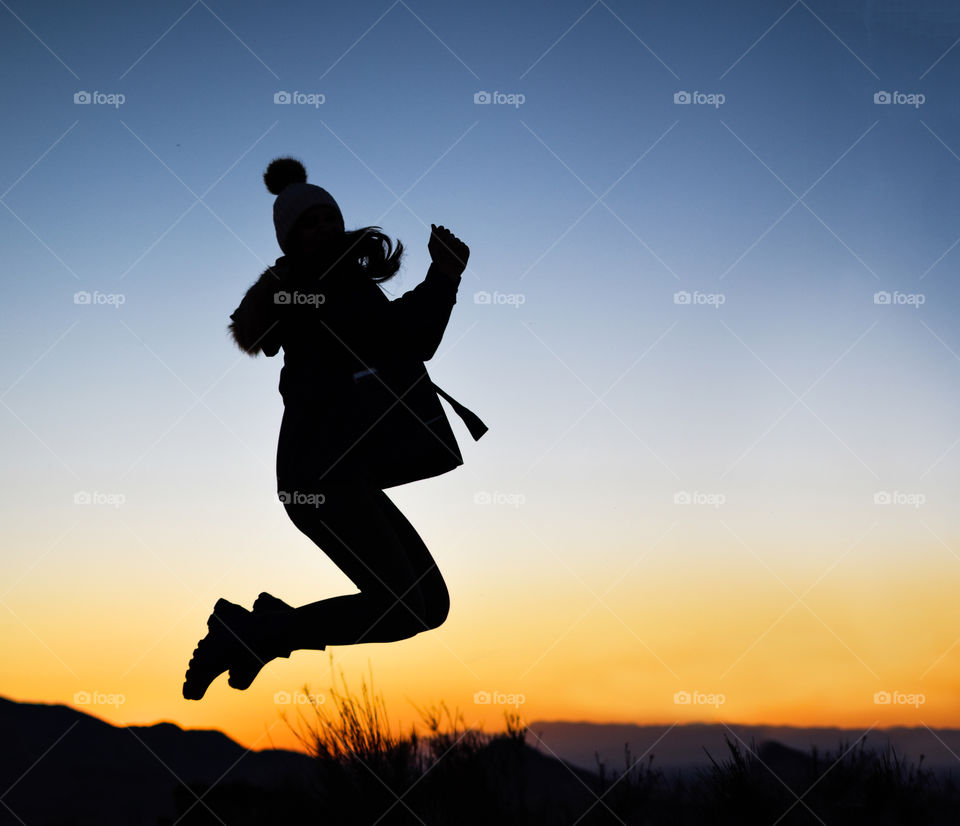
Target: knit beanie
[287, 179]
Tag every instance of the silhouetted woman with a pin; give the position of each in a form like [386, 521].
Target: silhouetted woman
[321, 303]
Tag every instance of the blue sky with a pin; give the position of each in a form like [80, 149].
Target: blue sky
[781, 208]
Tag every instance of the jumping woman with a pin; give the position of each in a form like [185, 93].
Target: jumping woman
[320, 302]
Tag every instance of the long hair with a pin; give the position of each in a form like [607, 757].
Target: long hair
[371, 251]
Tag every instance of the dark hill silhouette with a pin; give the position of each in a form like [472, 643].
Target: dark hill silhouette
[59, 765]
[91, 771]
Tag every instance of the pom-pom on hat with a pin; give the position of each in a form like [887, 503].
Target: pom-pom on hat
[287, 179]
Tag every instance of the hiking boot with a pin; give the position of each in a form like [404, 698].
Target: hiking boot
[228, 626]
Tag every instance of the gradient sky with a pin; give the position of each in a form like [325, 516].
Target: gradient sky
[583, 587]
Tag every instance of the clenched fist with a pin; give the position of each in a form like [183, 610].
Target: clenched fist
[447, 251]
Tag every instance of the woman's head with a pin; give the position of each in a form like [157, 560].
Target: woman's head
[315, 230]
[310, 226]
[287, 179]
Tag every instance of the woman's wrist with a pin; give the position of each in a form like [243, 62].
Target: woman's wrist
[451, 274]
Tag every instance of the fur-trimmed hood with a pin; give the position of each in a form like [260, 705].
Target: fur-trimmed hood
[254, 325]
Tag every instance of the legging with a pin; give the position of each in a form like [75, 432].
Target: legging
[401, 589]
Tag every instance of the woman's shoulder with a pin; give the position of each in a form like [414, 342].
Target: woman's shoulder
[279, 272]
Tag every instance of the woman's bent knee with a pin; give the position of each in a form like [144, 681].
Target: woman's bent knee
[437, 607]
[414, 614]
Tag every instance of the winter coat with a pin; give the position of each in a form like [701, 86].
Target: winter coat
[330, 327]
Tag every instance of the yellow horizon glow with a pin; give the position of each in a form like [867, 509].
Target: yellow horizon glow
[574, 659]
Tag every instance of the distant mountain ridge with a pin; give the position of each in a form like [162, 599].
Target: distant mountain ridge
[682, 747]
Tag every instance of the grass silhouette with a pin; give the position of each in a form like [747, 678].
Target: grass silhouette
[369, 774]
